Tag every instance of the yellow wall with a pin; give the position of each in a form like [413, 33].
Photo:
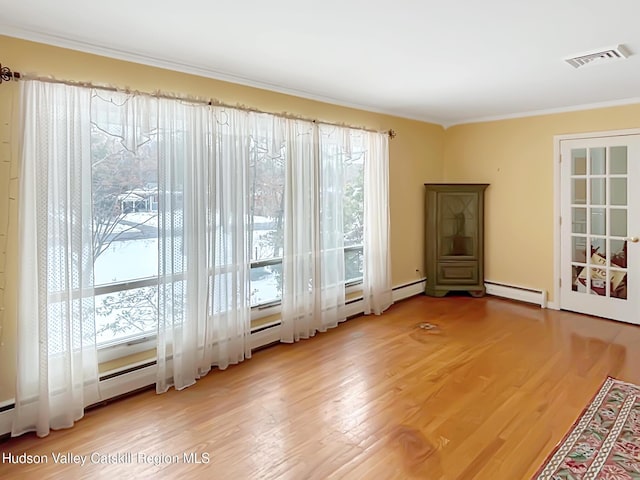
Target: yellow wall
[516, 158]
[415, 155]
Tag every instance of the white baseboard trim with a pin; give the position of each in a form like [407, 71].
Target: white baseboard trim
[408, 290]
[127, 382]
[6, 419]
[400, 292]
[354, 308]
[109, 388]
[513, 292]
[522, 294]
[265, 337]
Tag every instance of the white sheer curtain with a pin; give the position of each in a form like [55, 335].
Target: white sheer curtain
[376, 284]
[300, 311]
[204, 227]
[204, 311]
[334, 147]
[229, 299]
[313, 296]
[57, 371]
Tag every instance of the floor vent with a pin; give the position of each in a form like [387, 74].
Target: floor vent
[595, 58]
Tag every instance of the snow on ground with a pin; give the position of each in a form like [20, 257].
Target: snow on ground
[127, 260]
[120, 228]
[148, 218]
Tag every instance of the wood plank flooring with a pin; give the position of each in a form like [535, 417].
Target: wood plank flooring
[486, 395]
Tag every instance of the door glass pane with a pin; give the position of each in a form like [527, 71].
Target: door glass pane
[579, 161]
[579, 220]
[598, 221]
[598, 281]
[618, 161]
[578, 278]
[598, 251]
[618, 191]
[618, 253]
[597, 160]
[579, 248]
[598, 192]
[579, 191]
[619, 284]
[618, 220]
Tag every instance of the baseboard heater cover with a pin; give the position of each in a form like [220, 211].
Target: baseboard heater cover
[523, 294]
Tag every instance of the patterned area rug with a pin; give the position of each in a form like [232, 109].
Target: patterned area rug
[604, 443]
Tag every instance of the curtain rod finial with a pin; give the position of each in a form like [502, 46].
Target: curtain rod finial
[6, 74]
[392, 133]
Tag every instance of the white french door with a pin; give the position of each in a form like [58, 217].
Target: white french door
[600, 226]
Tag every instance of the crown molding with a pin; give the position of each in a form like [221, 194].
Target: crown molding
[549, 111]
[174, 65]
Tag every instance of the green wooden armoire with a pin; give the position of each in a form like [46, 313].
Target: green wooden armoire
[454, 240]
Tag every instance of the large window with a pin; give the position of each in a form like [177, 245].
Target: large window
[125, 223]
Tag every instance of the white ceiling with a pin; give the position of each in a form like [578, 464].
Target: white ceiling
[448, 62]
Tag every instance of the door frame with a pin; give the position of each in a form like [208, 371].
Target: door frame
[556, 198]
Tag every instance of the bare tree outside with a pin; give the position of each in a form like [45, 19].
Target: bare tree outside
[122, 183]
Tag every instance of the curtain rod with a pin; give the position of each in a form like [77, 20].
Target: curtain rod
[7, 75]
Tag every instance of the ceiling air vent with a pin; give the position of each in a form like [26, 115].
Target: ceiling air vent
[595, 58]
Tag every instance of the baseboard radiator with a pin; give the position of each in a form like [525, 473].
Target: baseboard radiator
[522, 294]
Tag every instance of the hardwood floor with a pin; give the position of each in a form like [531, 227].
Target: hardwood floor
[486, 395]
